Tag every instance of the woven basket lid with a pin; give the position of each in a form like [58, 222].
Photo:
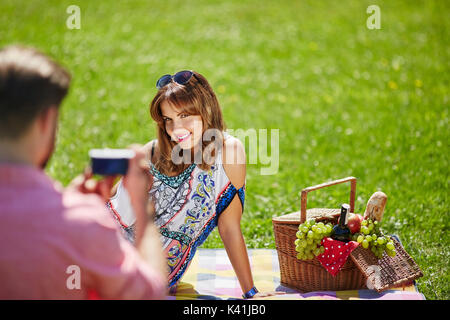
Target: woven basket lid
[386, 272]
[318, 214]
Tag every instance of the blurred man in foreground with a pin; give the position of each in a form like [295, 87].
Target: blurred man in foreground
[55, 243]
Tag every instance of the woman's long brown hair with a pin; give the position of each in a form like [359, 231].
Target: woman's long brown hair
[195, 97]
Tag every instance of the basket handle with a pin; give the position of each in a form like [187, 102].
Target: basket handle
[328, 184]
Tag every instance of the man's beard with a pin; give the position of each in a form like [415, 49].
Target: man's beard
[50, 150]
[48, 157]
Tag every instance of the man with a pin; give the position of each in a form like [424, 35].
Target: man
[54, 243]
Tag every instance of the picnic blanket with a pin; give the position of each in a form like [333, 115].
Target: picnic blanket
[211, 277]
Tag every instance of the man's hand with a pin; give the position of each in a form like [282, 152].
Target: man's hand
[86, 184]
[138, 181]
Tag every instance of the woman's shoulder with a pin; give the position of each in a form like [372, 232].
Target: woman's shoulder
[233, 151]
[234, 160]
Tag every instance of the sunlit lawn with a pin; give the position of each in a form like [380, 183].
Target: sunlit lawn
[347, 100]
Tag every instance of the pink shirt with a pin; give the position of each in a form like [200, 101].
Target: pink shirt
[64, 245]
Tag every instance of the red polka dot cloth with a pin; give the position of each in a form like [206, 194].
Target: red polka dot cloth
[335, 254]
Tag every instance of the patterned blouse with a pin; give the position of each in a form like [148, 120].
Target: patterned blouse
[187, 208]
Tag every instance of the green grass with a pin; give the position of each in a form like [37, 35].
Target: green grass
[373, 104]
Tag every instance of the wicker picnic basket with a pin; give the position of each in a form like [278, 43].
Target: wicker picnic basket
[310, 275]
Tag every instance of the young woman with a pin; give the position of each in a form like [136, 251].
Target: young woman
[198, 181]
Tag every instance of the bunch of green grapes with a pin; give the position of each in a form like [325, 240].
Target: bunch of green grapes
[309, 238]
[371, 236]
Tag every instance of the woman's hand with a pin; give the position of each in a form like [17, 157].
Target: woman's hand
[268, 294]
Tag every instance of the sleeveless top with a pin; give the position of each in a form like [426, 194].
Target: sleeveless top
[187, 208]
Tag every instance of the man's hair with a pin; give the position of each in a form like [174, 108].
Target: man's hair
[30, 82]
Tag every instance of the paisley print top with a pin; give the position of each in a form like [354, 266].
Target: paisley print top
[187, 208]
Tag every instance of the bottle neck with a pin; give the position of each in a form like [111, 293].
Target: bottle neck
[343, 219]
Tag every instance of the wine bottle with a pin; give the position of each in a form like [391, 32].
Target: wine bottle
[340, 231]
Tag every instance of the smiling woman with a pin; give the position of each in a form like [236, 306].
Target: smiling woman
[183, 128]
[191, 198]
[182, 111]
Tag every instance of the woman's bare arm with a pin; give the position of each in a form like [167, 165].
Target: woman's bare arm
[230, 220]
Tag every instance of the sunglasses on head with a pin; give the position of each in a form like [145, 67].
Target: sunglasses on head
[181, 77]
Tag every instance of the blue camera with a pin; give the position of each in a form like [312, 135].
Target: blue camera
[109, 162]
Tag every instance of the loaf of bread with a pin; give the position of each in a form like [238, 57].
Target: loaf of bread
[375, 206]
